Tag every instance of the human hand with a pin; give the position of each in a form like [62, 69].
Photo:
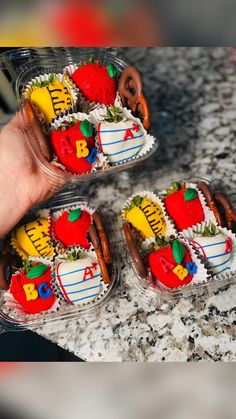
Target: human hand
[22, 183]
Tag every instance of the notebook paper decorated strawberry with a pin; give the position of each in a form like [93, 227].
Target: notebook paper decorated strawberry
[120, 138]
[79, 277]
[215, 245]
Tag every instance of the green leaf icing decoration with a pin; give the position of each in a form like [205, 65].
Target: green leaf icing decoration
[37, 271]
[178, 251]
[190, 194]
[74, 215]
[112, 71]
[86, 128]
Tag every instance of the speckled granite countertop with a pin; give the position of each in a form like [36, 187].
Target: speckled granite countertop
[192, 92]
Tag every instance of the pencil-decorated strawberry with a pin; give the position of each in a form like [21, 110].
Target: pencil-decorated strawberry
[170, 263]
[31, 287]
[97, 82]
[72, 228]
[214, 245]
[184, 206]
[51, 97]
[146, 216]
[74, 145]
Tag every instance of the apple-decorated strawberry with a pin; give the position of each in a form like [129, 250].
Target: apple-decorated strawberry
[51, 97]
[97, 82]
[146, 216]
[120, 138]
[31, 288]
[171, 263]
[72, 227]
[74, 145]
[184, 206]
[79, 277]
[215, 247]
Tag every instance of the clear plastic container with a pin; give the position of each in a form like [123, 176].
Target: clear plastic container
[25, 64]
[160, 294]
[66, 199]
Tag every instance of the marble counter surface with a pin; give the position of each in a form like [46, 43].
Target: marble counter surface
[193, 101]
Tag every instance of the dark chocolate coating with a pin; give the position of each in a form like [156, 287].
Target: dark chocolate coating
[130, 90]
[103, 237]
[135, 254]
[205, 189]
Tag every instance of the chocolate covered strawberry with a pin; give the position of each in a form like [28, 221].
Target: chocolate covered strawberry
[184, 206]
[74, 145]
[97, 82]
[72, 228]
[31, 288]
[171, 263]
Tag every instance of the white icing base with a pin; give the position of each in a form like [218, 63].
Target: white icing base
[70, 278]
[112, 140]
[214, 250]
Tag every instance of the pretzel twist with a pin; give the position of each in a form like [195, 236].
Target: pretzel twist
[103, 237]
[230, 214]
[135, 254]
[98, 249]
[130, 90]
[205, 189]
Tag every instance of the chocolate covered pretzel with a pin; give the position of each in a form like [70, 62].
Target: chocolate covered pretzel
[205, 189]
[130, 90]
[230, 214]
[134, 251]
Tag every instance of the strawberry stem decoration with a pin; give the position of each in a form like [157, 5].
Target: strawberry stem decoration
[208, 230]
[113, 114]
[45, 83]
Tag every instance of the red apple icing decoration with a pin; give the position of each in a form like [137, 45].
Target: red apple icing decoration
[74, 145]
[72, 227]
[97, 82]
[172, 265]
[184, 207]
[32, 289]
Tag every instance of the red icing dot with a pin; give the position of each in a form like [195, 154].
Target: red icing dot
[95, 83]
